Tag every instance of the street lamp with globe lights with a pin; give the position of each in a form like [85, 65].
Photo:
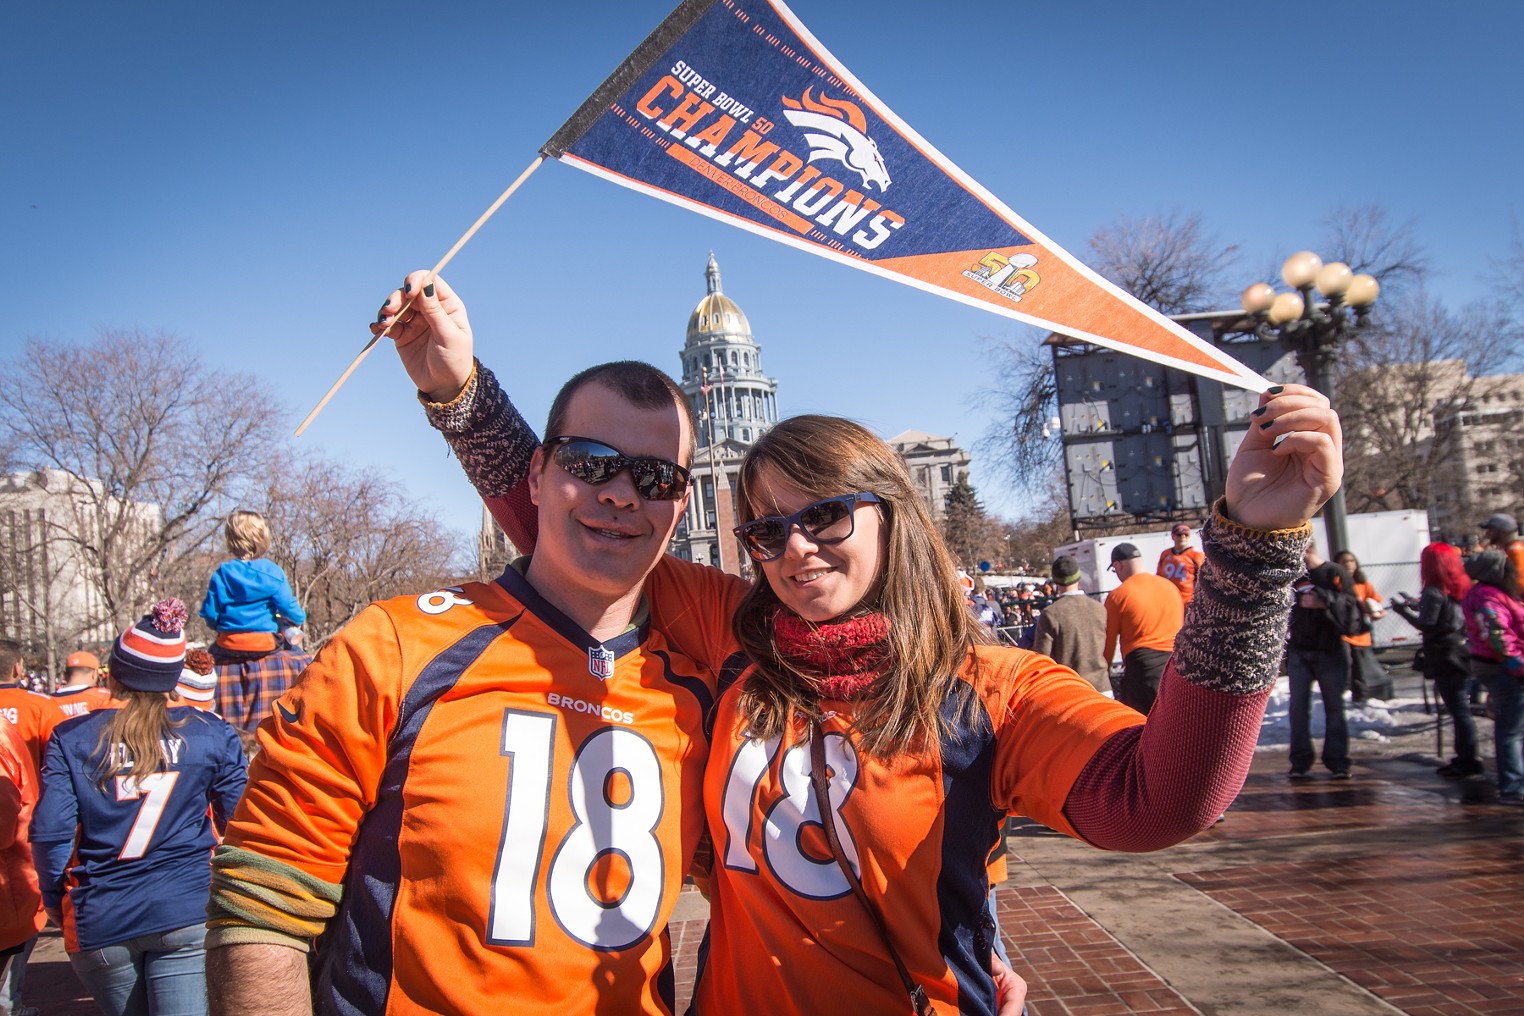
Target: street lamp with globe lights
[1315, 331]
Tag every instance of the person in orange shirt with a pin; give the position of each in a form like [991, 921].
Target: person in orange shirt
[1367, 678]
[1181, 563]
[21, 915]
[1144, 620]
[34, 715]
[81, 692]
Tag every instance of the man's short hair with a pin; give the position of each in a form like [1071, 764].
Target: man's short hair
[10, 655]
[638, 383]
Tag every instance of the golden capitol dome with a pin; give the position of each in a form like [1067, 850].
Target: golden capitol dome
[716, 314]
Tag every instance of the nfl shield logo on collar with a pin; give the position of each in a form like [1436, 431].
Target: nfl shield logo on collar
[600, 662]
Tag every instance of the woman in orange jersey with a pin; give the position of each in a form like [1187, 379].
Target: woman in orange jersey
[1367, 678]
[931, 736]
[928, 736]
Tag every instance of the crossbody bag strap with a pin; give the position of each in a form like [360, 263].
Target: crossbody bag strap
[821, 783]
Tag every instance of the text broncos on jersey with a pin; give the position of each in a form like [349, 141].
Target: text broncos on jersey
[577, 705]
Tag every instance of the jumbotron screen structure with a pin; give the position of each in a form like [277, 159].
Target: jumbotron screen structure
[1148, 443]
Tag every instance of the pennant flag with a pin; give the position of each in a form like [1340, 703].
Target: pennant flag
[733, 109]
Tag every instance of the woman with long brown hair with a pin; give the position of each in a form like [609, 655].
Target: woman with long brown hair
[138, 790]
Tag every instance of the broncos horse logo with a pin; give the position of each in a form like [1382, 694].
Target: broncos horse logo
[835, 129]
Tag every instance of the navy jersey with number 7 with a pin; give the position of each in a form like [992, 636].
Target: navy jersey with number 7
[145, 843]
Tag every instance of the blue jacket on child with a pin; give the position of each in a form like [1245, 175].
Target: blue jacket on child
[247, 595]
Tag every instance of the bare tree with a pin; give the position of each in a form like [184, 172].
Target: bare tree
[1030, 543]
[1169, 262]
[150, 443]
[1365, 238]
[349, 537]
[1417, 358]
[1021, 443]
[1507, 278]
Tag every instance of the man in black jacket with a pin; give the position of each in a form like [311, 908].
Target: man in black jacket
[1323, 611]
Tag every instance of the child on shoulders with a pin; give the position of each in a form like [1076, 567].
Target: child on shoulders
[249, 599]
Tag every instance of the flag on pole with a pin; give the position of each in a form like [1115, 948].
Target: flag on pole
[731, 108]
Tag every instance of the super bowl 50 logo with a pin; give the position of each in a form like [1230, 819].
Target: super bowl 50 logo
[1010, 277]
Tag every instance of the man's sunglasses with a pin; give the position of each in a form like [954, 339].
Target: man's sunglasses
[595, 463]
[829, 520]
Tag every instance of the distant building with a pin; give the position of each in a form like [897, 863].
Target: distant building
[50, 598]
[735, 403]
[935, 463]
[1480, 465]
[493, 549]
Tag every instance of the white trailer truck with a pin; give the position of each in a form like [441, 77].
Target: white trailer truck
[1386, 544]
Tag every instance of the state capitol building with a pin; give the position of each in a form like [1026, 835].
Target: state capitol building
[735, 403]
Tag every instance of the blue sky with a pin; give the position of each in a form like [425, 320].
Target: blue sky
[255, 178]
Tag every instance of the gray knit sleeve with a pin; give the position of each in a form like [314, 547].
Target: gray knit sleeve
[1235, 624]
[492, 441]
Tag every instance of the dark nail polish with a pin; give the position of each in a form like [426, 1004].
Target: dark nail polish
[1277, 389]
[429, 290]
[407, 287]
[1260, 411]
[1267, 425]
[381, 316]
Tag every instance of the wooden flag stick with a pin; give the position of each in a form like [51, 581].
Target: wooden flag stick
[433, 272]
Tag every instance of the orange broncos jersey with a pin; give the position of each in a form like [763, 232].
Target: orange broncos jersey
[787, 935]
[1182, 569]
[34, 716]
[510, 805]
[85, 700]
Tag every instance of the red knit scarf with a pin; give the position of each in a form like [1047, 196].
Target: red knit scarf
[841, 659]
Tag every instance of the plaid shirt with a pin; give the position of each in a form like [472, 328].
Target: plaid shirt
[247, 689]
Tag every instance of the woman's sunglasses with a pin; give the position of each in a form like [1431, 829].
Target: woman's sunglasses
[595, 463]
[829, 520]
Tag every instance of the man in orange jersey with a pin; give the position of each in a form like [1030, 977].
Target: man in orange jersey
[32, 714]
[33, 717]
[81, 691]
[22, 917]
[1182, 562]
[1144, 613]
[513, 768]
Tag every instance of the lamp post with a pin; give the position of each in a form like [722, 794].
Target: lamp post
[1315, 331]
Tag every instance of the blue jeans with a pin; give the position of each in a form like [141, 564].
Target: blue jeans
[1329, 669]
[151, 975]
[1507, 695]
[1454, 691]
[14, 983]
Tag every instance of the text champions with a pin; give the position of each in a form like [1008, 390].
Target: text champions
[683, 105]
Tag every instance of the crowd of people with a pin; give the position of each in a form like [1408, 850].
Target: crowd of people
[492, 794]
[115, 786]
